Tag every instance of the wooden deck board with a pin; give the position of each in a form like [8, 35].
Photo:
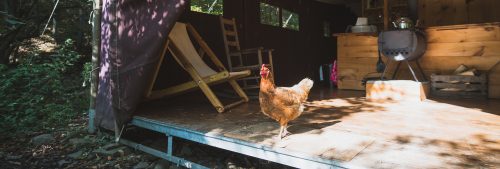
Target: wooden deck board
[343, 126]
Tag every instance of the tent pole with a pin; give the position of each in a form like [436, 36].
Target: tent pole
[96, 44]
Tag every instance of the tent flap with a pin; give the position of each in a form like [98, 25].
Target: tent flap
[133, 34]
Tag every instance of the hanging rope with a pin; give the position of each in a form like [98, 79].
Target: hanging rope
[50, 17]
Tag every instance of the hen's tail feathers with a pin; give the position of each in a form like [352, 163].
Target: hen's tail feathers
[305, 85]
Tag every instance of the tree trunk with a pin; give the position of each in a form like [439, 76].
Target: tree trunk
[96, 51]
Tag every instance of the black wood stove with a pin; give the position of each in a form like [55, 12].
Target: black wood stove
[403, 45]
[407, 45]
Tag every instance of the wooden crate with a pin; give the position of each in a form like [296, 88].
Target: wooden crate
[463, 86]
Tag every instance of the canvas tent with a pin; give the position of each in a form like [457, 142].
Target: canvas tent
[133, 34]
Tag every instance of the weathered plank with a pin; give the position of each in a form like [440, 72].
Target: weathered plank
[485, 48]
[349, 74]
[494, 82]
[494, 90]
[480, 11]
[442, 12]
[463, 34]
[441, 93]
[450, 63]
[359, 51]
[460, 86]
[494, 74]
[356, 61]
[350, 84]
[458, 78]
[453, 12]
[360, 41]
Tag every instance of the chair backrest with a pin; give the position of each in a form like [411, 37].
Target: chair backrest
[180, 38]
[230, 36]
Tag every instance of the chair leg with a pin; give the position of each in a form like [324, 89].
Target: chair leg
[211, 96]
[238, 90]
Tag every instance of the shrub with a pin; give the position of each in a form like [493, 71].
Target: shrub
[42, 92]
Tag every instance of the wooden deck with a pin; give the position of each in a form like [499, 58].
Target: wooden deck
[342, 126]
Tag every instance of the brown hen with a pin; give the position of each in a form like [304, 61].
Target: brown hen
[282, 104]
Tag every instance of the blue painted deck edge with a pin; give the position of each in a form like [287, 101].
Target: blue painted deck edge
[166, 156]
[91, 127]
[278, 155]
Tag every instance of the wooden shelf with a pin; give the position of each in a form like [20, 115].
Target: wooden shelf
[396, 8]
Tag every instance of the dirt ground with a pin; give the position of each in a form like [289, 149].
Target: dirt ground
[73, 147]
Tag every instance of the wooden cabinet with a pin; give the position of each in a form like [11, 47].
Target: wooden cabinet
[356, 58]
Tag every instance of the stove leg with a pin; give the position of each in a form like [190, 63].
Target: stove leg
[396, 71]
[421, 70]
[411, 70]
[383, 73]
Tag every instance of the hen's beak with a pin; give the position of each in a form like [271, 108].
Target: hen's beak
[263, 70]
[264, 74]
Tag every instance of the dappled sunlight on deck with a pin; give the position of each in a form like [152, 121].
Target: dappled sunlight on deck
[345, 127]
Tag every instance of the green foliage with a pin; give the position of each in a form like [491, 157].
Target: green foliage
[214, 7]
[87, 73]
[42, 91]
[269, 15]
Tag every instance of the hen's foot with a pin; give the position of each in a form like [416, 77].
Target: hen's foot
[286, 133]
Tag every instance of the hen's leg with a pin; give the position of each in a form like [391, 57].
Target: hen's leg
[281, 132]
[285, 131]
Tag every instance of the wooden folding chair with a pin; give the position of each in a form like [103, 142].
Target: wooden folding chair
[184, 52]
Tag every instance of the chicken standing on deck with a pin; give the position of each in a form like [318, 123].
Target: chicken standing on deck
[282, 104]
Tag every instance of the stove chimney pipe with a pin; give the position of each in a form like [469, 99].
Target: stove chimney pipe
[413, 10]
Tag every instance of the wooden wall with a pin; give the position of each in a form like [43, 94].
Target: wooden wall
[453, 12]
[297, 54]
[476, 46]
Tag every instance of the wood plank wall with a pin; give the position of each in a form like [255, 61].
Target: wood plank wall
[297, 54]
[453, 12]
[476, 46]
